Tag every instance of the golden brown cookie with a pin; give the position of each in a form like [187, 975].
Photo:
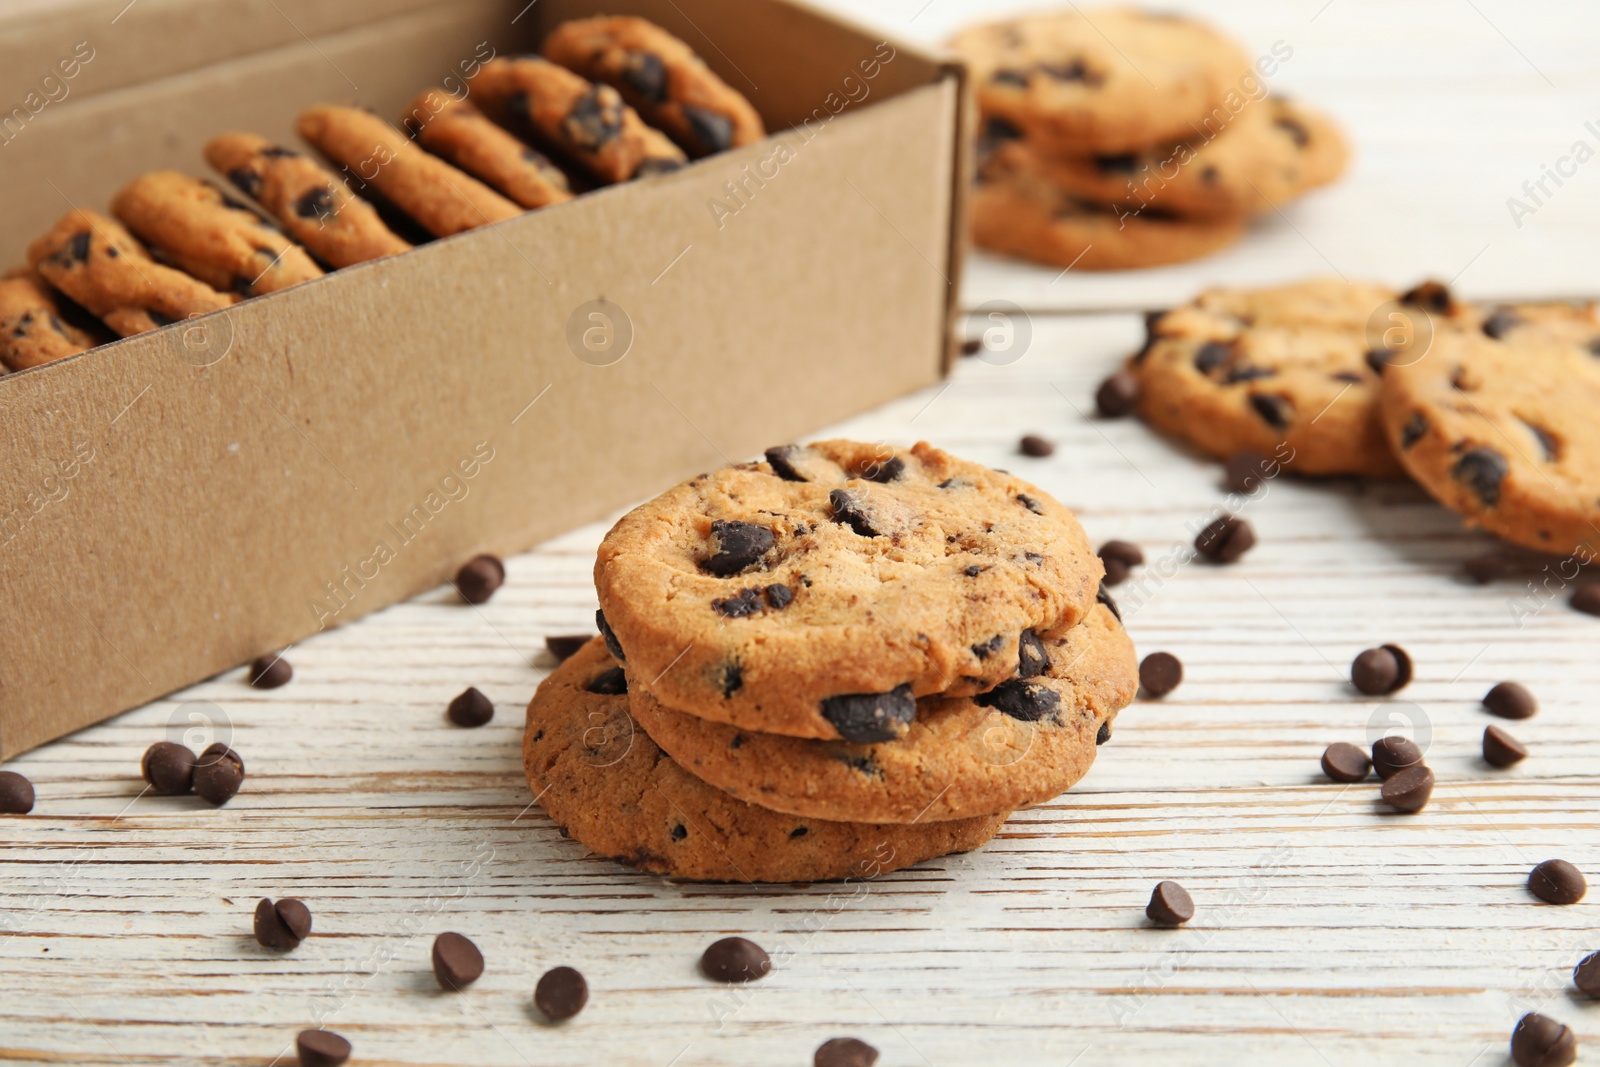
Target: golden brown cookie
[192, 225]
[661, 78]
[435, 195]
[461, 133]
[307, 199]
[1020, 744]
[604, 782]
[103, 267]
[1256, 369]
[33, 329]
[579, 121]
[1268, 154]
[818, 593]
[1022, 213]
[1105, 80]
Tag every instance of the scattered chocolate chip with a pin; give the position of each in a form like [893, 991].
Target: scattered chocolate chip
[1211, 355]
[1023, 699]
[1276, 411]
[561, 993]
[1557, 882]
[1032, 659]
[972, 346]
[844, 1052]
[478, 580]
[1500, 749]
[1586, 975]
[612, 644]
[735, 959]
[1482, 470]
[744, 603]
[16, 794]
[269, 672]
[1103, 734]
[218, 774]
[1125, 552]
[1500, 323]
[1118, 395]
[778, 596]
[565, 646]
[457, 963]
[1245, 472]
[1225, 540]
[321, 1048]
[471, 708]
[1587, 598]
[282, 925]
[1540, 1041]
[781, 459]
[1380, 671]
[1485, 569]
[1170, 904]
[1160, 673]
[1430, 296]
[1393, 754]
[612, 681]
[1511, 700]
[871, 717]
[1409, 790]
[847, 509]
[1116, 572]
[1344, 762]
[168, 768]
[737, 546]
[1035, 446]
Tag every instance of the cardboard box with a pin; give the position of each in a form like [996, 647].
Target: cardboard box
[179, 502]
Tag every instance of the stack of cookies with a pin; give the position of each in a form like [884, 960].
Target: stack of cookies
[1115, 138]
[614, 99]
[1490, 409]
[833, 663]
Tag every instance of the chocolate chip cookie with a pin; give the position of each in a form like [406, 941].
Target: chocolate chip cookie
[1022, 743]
[1497, 423]
[102, 266]
[1105, 80]
[1019, 211]
[820, 592]
[587, 124]
[308, 200]
[192, 225]
[604, 781]
[661, 78]
[435, 195]
[1268, 154]
[463, 135]
[1256, 369]
[33, 327]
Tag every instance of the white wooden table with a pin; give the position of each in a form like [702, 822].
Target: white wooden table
[1328, 930]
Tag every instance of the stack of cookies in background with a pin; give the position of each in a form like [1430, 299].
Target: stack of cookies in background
[833, 663]
[1114, 138]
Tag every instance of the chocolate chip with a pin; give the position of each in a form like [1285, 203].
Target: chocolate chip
[1557, 882]
[1118, 395]
[778, 596]
[1414, 430]
[1247, 471]
[1511, 700]
[846, 508]
[1125, 552]
[744, 603]
[1500, 749]
[612, 681]
[735, 959]
[1485, 569]
[471, 708]
[78, 246]
[1482, 470]
[1225, 540]
[1587, 598]
[218, 774]
[479, 578]
[1030, 503]
[1211, 355]
[612, 644]
[656, 166]
[1074, 71]
[1295, 129]
[1409, 790]
[1276, 411]
[1127, 163]
[971, 346]
[989, 647]
[282, 925]
[1160, 673]
[246, 179]
[1379, 671]
[1586, 975]
[1236, 375]
[321, 1048]
[168, 767]
[1344, 762]
[1540, 1041]
[1036, 446]
[732, 679]
[1393, 754]
[1378, 358]
[646, 75]
[595, 119]
[1010, 77]
[565, 646]
[712, 130]
[16, 794]
[269, 672]
[1032, 659]
[1105, 598]
[561, 993]
[457, 963]
[317, 203]
[866, 718]
[1022, 699]
[1170, 904]
[1502, 322]
[1430, 296]
[844, 1052]
[884, 471]
[782, 462]
[1116, 572]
